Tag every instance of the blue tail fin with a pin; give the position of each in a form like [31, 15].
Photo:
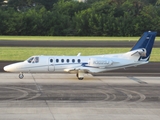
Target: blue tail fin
[147, 42]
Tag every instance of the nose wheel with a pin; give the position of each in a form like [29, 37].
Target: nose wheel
[21, 76]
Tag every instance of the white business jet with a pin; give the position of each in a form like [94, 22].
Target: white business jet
[80, 65]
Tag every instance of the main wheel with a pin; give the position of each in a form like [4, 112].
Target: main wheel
[77, 75]
[81, 78]
[21, 76]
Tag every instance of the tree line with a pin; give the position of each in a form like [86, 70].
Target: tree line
[73, 18]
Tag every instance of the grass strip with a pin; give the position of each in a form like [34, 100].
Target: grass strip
[22, 53]
[71, 38]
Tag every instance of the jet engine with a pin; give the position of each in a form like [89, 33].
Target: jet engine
[141, 52]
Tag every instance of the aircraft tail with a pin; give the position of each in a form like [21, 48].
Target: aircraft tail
[146, 42]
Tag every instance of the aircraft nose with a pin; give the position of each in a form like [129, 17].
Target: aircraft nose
[7, 68]
[10, 68]
[13, 67]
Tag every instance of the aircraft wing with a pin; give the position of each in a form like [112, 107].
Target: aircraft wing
[90, 67]
[84, 69]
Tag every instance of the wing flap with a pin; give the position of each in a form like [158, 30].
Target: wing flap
[76, 69]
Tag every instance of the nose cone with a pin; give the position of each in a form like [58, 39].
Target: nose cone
[13, 67]
[7, 68]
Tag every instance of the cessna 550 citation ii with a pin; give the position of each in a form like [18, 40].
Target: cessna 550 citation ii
[80, 65]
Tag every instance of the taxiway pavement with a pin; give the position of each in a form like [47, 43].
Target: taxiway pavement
[63, 97]
[75, 43]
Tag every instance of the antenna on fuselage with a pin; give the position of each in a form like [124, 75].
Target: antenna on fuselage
[79, 54]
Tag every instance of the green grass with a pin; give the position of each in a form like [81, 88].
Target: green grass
[22, 53]
[63, 38]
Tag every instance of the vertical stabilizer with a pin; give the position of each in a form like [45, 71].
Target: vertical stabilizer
[147, 42]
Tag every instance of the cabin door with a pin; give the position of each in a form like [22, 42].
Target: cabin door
[51, 64]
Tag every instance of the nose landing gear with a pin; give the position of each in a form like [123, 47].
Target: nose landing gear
[21, 76]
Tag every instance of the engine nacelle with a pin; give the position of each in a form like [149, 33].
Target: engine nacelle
[99, 62]
[142, 52]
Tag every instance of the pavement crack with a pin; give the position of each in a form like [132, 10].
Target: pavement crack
[40, 91]
[37, 86]
[137, 80]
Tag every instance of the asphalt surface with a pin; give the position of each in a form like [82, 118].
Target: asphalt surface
[63, 97]
[40, 88]
[19, 43]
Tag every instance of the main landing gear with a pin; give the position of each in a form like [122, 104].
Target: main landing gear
[21, 76]
[80, 75]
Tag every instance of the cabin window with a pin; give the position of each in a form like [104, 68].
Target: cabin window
[57, 60]
[67, 60]
[79, 60]
[73, 60]
[51, 60]
[62, 60]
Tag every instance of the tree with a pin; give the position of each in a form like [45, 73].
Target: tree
[24, 4]
[158, 2]
[1, 2]
[69, 17]
[48, 4]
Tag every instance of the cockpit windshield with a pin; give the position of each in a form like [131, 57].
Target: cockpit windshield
[33, 60]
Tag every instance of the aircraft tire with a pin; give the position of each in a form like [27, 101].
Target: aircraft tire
[21, 76]
[81, 78]
[77, 75]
